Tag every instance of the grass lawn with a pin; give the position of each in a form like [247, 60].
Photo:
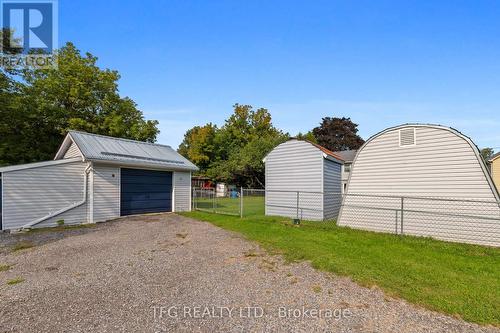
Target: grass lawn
[458, 279]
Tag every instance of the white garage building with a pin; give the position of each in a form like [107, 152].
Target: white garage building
[423, 180]
[303, 180]
[95, 178]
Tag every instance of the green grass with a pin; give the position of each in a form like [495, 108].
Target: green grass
[4, 267]
[252, 205]
[458, 279]
[15, 281]
[22, 245]
[62, 227]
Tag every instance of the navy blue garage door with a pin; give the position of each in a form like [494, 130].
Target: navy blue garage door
[145, 191]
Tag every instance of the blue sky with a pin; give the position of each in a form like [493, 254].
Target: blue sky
[382, 63]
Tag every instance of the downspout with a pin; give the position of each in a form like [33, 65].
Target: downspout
[63, 210]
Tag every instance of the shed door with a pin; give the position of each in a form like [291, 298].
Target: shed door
[145, 191]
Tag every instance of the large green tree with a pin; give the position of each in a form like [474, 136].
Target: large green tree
[338, 134]
[233, 153]
[198, 145]
[43, 104]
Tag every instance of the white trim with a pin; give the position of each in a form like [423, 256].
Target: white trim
[39, 164]
[63, 149]
[323, 187]
[141, 166]
[190, 191]
[91, 194]
[120, 192]
[173, 191]
[494, 158]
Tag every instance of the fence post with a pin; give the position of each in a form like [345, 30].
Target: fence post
[193, 199]
[402, 212]
[396, 221]
[241, 202]
[214, 193]
[298, 204]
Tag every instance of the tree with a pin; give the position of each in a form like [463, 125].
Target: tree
[76, 95]
[338, 134]
[198, 145]
[309, 136]
[487, 153]
[234, 152]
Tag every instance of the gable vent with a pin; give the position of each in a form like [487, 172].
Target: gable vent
[407, 137]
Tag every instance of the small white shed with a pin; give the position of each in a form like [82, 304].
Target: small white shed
[95, 178]
[423, 180]
[303, 180]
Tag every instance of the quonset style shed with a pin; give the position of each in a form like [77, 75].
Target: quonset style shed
[95, 178]
[404, 167]
[303, 180]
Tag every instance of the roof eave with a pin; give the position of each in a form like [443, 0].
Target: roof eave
[139, 164]
[331, 158]
[39, 164]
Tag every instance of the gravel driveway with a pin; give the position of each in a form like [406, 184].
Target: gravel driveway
[167, 273]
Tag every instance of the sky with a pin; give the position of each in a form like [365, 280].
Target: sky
[381, 63]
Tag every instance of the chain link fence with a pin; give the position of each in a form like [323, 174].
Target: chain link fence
[451, 219]
[238, 202]
[301, 205]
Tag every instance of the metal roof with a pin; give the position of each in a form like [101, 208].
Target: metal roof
[347, 155]
[38, 164]
[123, 151]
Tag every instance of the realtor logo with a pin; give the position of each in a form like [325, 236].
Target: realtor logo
[29, 32]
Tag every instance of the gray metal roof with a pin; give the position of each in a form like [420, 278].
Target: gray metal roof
[347, 155]
[128, 152]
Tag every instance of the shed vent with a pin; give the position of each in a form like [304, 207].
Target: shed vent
[407, 137]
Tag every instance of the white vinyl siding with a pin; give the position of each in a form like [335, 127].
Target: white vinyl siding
[31, 194]
[439, 164]
[106, 192]
[182, 191]
[332, 189]
[298, 166]
[72, 151]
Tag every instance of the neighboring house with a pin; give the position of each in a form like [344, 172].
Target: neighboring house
[348, 157]
[95, 178]
[303, 173]
[418, 161]
[495, 169]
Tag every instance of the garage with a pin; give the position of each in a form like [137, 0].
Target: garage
[95, 178]
[145, 191]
